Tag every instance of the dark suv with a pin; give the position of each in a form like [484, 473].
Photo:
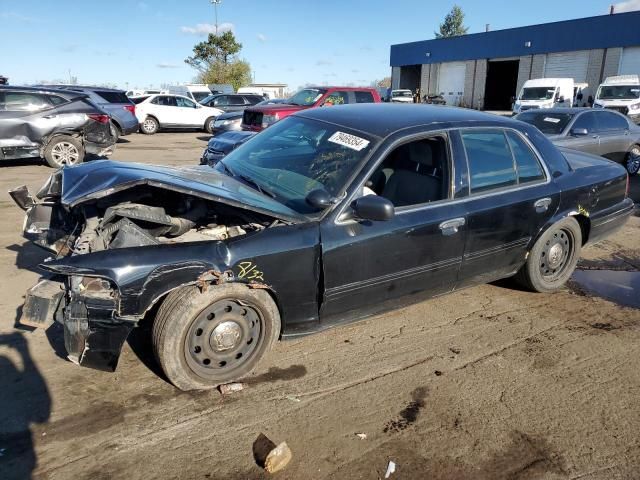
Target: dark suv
[231, 103]
[113, 101]
[60, 126]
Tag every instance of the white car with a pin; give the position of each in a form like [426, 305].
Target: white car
[401, 96]
[173, 111]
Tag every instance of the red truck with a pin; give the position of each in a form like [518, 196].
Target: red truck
[259, 118]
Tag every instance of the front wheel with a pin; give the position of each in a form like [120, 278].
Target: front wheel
[64, 150]
[553, 257]
[633, 160]
[206, 338]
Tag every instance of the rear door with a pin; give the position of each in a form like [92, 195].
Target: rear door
[613, 130]
[236, 103]
[510, 199]
[589, 143]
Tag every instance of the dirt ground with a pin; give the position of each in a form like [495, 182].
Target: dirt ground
[486, 383]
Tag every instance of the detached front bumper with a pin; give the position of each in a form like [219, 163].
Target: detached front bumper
[93, 335]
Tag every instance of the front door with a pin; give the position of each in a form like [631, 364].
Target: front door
[615, 140]
[510, 201]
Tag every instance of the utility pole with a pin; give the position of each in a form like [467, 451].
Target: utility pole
[215, 4]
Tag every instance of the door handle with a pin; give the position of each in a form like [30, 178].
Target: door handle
[542, 205]
[50, 116]
[450, 227]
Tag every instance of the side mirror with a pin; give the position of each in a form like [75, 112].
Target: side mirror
[320, 199]
[561, 99]
[579, 132]
[373, 207]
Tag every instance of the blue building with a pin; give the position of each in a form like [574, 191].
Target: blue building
[486, 70]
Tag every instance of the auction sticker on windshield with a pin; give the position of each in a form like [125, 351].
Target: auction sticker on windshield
[552, 120]
[349, 141]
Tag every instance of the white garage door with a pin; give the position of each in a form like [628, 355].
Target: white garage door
[451, 81]
[568, 65]
[630, 61]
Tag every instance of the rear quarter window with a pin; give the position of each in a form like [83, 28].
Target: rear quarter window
[529, 168]
[23, 102]
[112, 97]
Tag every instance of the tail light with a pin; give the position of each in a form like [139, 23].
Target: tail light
[131, 108]
[99, 117]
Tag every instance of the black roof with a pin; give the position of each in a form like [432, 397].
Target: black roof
[571, 110]
[68, 94]
[383, 119]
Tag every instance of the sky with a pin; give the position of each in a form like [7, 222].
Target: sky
[143, 43]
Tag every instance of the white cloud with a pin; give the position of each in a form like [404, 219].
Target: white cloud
[324, 63]
[167, 65]
[628, 6]
[262, 37]
[203, 29]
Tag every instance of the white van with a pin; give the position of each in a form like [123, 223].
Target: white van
[545, 93]
[194, 91]
[621, 93]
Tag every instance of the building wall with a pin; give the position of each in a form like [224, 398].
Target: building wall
[480, 84]
[395, 78]
[612, 63]
[425, 78]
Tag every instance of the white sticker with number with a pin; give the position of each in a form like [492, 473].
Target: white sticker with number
[552, 120]
[349, 141]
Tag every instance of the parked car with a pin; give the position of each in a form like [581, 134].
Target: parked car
[194, 91]
[220, 145]
[173, 111]
[260, 117]
[232, 121]
[138, 93]
[545, 93]
[61, 126]
[328, 216]
[600, 132]
[622, 94]
[115, 102]
[401, 96]
[231, 103]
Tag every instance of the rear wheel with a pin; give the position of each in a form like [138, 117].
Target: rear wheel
[64, 150]
[553, 258]
[633, 160]
[208, 125]
[149, 126]
[204, 339]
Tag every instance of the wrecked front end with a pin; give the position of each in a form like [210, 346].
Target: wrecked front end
[118, 249]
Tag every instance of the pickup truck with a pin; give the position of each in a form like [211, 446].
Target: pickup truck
[256, 118]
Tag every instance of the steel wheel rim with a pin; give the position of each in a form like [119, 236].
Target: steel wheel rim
[211, 348]
[633, 163]
[211, 125]
[65, 153]
[149, 125]
[555, 256]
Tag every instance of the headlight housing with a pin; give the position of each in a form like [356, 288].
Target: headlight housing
[635, 106]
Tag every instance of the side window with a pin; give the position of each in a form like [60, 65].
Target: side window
[363, 97]
[236, 100]
[490, 161]
[221, 101]
[337, 98]
[414, 173]
[586, 120]
[184, 102]
[253, 99]
[24, 102]
[56, 100]
[529, 168]
[164, 100]
[609, 122]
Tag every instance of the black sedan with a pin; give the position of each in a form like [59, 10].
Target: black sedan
[600, 132]
[328, 216]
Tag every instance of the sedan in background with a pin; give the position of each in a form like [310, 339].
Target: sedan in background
[58, 125]
[220, 145]
[231, 121]
[231, 103]
[600, 132]
[155, 112]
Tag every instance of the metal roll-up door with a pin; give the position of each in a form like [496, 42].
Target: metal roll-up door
[630, 61]
[451, 81]
[568, 65]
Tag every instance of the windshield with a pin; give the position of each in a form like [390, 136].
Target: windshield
[537, 93]
[307, 96]
[199, 96]
[401, 93]
[547, 123]
[296, 156]
[206, 99]
[618, 92]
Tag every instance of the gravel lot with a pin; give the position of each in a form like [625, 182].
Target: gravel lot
[486, 383]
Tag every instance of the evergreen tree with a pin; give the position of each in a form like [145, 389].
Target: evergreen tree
[453, 24]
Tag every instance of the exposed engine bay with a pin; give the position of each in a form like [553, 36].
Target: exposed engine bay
[146, 215]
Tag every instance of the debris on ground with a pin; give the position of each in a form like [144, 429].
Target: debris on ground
[269, 456]
[361, 436]
[391, 468]
[455, 350]
[438, 373]
[292, 398]
[229, 388]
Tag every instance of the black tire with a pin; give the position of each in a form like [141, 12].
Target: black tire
[193, 329]
[150, 126]
[116, 131]
[632, 162]
[64, 150]
[539, 273]
[208, 125]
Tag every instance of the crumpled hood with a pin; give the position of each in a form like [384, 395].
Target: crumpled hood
[101, 178]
